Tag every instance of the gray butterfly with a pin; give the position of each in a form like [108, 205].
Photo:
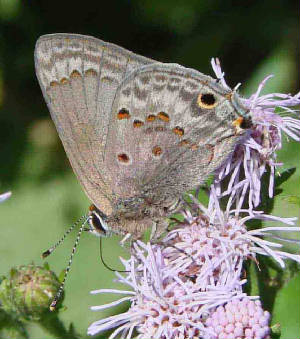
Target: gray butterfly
[138, 133]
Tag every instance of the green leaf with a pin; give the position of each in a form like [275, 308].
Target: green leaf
[284, 176]
[288, 317]
[292, 199]
[267, 204]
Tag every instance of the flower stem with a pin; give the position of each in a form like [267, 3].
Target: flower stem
[53, 325]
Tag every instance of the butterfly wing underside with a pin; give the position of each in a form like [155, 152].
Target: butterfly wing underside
[79, 76]
[162, 140]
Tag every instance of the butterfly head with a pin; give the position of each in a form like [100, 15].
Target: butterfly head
[97, 222]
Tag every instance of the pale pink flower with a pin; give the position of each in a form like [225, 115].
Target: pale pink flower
[4, 196]
[190, 284]
[243, 318]
[256, 153]
[163, 305]
[177, 285]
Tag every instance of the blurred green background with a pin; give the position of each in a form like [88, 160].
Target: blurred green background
[252, 39]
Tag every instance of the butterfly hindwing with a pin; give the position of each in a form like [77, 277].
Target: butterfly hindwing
[162, 138]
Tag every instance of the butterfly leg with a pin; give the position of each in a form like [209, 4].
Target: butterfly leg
[176, 205]
[153, 230]
[158, 228]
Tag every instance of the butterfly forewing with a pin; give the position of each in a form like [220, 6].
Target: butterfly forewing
[79, 77]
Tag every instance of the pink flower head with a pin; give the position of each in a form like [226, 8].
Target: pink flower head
[162, 304]
[177, 285]
[257, 152]
[243, 318]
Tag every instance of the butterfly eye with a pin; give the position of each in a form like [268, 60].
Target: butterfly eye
[206, 100]
[97, 223]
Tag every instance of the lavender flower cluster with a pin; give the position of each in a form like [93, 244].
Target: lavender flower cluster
[191, 284]
[240, 319]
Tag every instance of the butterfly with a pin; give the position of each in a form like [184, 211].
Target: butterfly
[138, 133]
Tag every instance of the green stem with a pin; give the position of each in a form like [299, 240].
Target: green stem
[11, 328]
[52, 324]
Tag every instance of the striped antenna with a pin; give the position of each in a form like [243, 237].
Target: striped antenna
[51, 249]
[61, 287]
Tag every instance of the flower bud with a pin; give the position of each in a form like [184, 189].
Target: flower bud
[243, 318]
[28, 291]
[276, 330]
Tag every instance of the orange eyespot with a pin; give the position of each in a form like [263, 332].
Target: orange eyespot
[157, 151]
[150, 117]
[75, 74]
[123, 114]
[53, 83]
[178, 130]
[206, 100]
[242, 123]
[64, 81]
[123, 158]
[137, 123]
[163, 116]
[238, 122]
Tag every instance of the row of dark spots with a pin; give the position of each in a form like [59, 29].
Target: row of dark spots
[124, 114]
[74, 75]
[124, 158]
[162, 116]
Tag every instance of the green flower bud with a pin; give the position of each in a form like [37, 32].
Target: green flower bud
[28, 291]
[276, 330]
